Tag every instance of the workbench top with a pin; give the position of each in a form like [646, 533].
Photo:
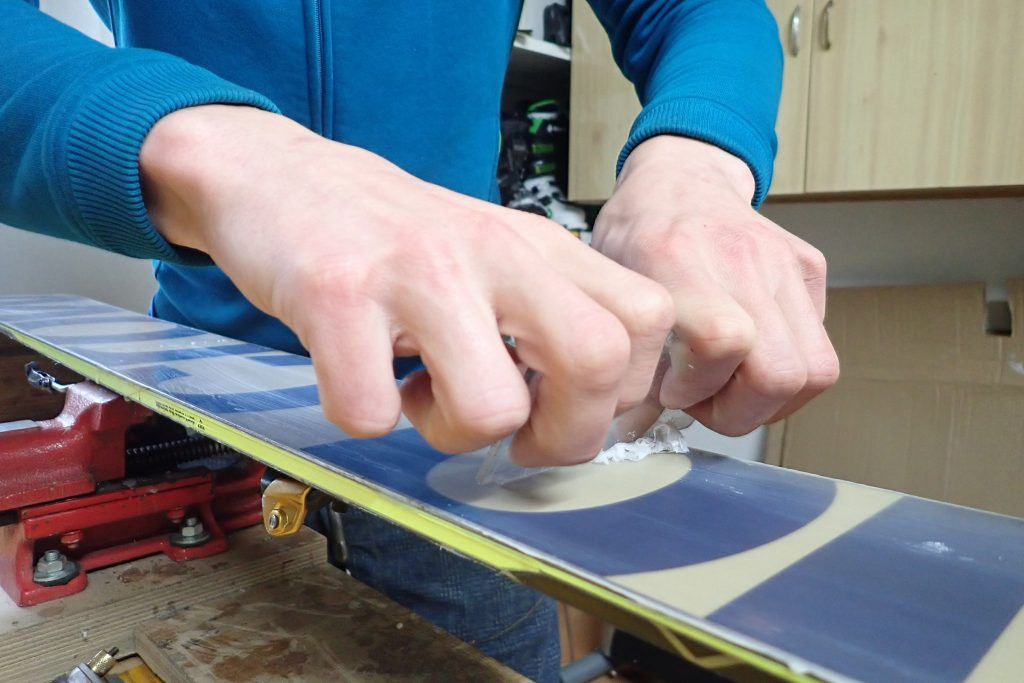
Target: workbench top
[267, 609]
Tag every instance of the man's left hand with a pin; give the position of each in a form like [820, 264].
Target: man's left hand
[749, 296]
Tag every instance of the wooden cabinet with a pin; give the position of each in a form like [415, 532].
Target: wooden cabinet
[603, 103]
[878, 95]
[602, 106]
[796, 31]
[916, 94]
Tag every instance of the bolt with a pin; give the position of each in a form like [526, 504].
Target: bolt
[54, 569]
[71, 539]
[50, 564]
[191, 533]
[193, 527]
[274, 520]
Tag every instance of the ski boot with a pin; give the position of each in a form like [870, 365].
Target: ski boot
[546, 134]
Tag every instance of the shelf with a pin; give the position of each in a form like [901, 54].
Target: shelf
[526, 43]
[537, 69]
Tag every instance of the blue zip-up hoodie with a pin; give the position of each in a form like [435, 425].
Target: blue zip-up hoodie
[416, 81]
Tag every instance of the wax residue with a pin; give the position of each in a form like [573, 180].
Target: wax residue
[665, 436]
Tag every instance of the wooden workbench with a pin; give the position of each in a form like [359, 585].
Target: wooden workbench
[266, 610]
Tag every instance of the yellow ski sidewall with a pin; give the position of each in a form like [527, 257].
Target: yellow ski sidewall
[530, 570]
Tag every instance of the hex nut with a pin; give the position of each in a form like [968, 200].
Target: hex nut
[54, 569]
[191, 530]
[51, 567]
[192, 533]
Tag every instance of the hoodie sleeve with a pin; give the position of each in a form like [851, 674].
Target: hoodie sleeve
[705, 69]
[73, 116]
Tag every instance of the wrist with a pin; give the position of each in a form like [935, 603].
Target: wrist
[668, 156]
[193, 160]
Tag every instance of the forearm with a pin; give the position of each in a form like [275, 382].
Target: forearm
[73, 116]
[705, 69]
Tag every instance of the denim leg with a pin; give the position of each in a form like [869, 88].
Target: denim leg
[509, 622]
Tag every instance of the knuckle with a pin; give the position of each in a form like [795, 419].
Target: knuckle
[480, 229]
[438, 266]
[599, 356]
[338, 282]
[651, 311]
[815, 265]
[787, 260]
[736, 246]
[679, 247]
[823, 372]
[724, 336]
[489, 422]
[780, 381]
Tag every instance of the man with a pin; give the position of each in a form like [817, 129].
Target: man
[336, 161]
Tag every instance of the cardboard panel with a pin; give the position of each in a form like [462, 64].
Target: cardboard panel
[929, 403]
[986, 455]
[874, 432]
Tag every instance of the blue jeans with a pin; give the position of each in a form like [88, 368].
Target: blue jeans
[509, 622]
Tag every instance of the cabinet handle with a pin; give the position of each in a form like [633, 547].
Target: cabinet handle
[794, 32]
[826, 22]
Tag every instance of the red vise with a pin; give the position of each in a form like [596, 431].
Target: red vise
[64, 491]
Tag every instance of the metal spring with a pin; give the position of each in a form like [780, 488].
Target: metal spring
[167, 454]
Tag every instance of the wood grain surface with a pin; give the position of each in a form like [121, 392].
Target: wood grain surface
[39, 643]
[317, 624]
[603, 105]
[19, 401]
[917, 93]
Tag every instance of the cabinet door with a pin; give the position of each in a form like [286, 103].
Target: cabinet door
[603, 105]
[796, 28]
[916, 94]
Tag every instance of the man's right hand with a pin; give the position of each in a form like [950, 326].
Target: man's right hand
[364, 262]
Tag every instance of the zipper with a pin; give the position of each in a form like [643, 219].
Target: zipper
[320, 64]
[114, 28]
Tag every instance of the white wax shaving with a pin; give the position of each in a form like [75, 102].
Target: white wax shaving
[664, 436]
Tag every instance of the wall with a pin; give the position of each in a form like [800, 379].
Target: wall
[911, 241]
[36, 264]
[898, 242]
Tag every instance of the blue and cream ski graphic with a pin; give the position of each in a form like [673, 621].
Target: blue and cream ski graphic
[837, 580]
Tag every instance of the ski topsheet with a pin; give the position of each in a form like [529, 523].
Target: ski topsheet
[732, 564]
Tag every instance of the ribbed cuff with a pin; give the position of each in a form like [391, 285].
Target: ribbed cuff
[712, 123]
[105, 133]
